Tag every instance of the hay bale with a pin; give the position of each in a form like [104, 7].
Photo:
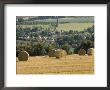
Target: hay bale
[23, 56]
[82, 52]
[51, 53]
[60, 53]
[90, 51]
[57, 53]
[64, 53]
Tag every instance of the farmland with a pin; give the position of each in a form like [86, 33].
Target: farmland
[41, 35]
[63, 26]
[70, 64]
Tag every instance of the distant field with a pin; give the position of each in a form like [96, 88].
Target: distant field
[71, 64]
[64, 26]
[70, 20]
[74, 26]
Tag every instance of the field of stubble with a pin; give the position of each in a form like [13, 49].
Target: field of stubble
[71, 64]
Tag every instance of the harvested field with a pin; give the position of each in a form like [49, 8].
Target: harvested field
[70, 64]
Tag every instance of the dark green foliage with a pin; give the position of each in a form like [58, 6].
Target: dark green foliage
[67, 47]
[81, 52]
[43, 52]
[71, 51]
[17, 52]
[85, 45]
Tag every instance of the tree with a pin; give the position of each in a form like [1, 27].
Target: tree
[43, 52]
[86, 45]
[19, 20]
[50, 47]
[66, 47]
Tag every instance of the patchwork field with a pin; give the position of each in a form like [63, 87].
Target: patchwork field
[71, 64]
[64, 26]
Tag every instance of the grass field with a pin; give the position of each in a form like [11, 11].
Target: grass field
[71, 64]
[64, 26]
[74, 26]
[73, 19]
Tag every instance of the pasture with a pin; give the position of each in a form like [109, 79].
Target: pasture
[63, 26]
[70, 64]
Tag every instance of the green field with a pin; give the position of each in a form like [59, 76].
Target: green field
[64, 26]
[74, 26]
[70, 19]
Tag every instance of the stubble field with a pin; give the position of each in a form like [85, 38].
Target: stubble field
[71, 64]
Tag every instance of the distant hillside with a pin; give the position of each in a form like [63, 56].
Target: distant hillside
[68, 19]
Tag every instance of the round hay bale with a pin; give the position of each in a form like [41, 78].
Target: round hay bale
[23, 56]
[57, 53]
[60, 53]
[90, 51]
[64, 53]
[82, 52]
[51, 53]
